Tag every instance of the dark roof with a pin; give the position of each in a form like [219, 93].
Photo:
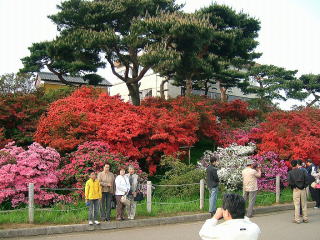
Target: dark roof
[47, 76]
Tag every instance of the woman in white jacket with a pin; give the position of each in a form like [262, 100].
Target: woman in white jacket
[122, 188]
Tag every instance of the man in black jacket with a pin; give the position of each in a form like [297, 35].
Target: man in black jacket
[298, 181]
[212, 182]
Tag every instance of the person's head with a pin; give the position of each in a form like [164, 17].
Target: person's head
[131, 169]
[294, 163]
[122, 171]
[106, 168]
[92, 175]
[309, 162]
[234, 206]
[250, 163]
[299, 163]
[213, 160]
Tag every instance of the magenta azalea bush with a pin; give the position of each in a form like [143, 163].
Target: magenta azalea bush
[19, 167]
[91, 156]
[271, 167]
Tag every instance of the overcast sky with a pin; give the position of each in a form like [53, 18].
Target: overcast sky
[289, 35]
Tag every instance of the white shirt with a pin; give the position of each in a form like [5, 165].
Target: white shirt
[122, 185]
[235, 229]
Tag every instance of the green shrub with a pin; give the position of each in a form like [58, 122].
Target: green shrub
[178, 173]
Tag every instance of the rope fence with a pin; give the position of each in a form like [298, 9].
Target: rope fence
[151, 199]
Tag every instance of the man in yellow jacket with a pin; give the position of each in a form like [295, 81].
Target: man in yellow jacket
[93, 195]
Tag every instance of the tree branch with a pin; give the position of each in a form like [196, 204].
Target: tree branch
[59, 75]
[114, 70]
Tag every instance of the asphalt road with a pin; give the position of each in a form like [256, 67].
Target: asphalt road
[276, 226]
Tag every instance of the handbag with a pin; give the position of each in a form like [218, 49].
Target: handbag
[139, 197]
[124, 200]
[315, 185]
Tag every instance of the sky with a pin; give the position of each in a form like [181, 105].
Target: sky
[289, 35]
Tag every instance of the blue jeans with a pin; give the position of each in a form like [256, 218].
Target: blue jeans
[213, 199]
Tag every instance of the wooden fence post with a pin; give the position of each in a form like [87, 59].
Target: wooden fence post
[149, 196]
[278, 189]
[201, 194]
[31, 202]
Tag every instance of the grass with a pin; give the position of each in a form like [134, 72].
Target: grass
[158, 210]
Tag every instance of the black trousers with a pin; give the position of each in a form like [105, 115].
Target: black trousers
[315, 194]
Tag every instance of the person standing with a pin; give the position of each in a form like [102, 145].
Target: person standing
[235, 226]
[93, 196]
[298, 181]
[314, 176]
[250, 177]
[106, 179]
[212, 183]
[133, 180]
[122, 189]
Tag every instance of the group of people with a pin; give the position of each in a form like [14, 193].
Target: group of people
[237, 224]
[101, 189]
[300, 178]
[250, 177]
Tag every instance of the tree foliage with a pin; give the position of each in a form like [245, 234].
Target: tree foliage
[306, 86]
[95, 32]
[267, 81]
[16, 83]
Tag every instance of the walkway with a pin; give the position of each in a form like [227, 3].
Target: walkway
[275, 226]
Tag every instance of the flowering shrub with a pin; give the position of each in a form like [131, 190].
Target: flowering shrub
[143, 133]
[292, 135]
[19, 115]
[231, 162]
[271, 167]
[234, 112]
[92, 156]
[19, 167]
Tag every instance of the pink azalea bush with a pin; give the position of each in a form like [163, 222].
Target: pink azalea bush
[92, 156]
[272, 166]
[19, 167]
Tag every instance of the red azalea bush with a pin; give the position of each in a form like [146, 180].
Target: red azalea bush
[292, 135]
[272, 166]
[201, 106]
[91, 156]
[19, 167]
[143, 133]
[18, 117]
[234, 112]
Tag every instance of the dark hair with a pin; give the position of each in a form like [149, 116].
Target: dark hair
[299, 162]
[91, 171]
[122, 168]
[294, 163]
[235, 204]
[213, 159]
[309, 161]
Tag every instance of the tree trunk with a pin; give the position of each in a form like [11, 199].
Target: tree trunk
[162, 90]
[316, 99]
[223, 93]
[188, 87]
[206, 87]
[134, 93]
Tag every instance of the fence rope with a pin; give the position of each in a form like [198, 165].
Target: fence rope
[175, 185]
[58, 210]
[175, 203]
[13, 210]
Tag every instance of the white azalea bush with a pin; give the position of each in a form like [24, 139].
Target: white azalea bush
[231, 162]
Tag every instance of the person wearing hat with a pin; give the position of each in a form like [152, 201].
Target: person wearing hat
[250, 177]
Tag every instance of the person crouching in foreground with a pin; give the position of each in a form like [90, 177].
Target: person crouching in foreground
[235, 226]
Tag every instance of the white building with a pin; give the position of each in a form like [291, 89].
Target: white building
[150, 86]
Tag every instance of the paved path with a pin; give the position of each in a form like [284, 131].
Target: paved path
[276, 226]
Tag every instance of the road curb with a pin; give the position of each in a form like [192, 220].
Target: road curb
[49, 230]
